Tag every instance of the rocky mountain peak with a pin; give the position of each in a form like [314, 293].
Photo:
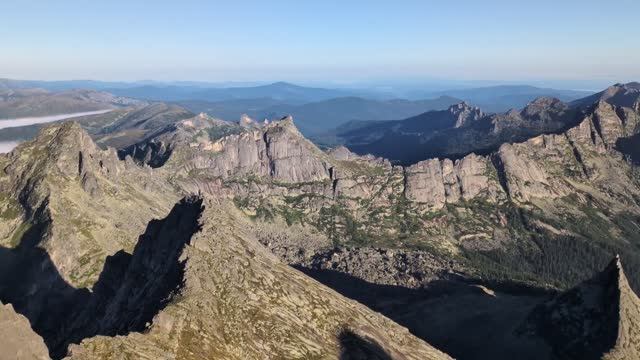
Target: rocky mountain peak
[465, 113]
[285, 123]
[614, 272]
[287, 119]
[623, 95]
[246, 121]
[342, 153]
[57, 147]
[546, 101]
[544, 104]
[544, 114]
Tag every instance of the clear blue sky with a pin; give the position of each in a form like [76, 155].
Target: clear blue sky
[320, 40]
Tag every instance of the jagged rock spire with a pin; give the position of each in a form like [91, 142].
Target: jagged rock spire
[465, 113]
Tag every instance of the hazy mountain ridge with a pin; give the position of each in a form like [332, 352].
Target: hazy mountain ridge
[315, 117]
[280, 91]
[38, 102]
[504, 97]
[118, 128]
[491, 98]
[424, 139]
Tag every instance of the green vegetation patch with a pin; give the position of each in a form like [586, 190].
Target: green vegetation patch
[219, 131]
[9, 208]
[18, 234]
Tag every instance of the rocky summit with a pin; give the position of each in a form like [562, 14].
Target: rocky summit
[200, 238]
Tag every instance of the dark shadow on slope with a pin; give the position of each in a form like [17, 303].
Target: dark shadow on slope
[130, 291]
[630, 146]
[407, 147]
[154, 154]
[459, 318]
[31, 282]
[582, 323]
[354, 347]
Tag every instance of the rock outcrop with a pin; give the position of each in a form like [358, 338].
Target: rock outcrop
[78, 195]
[465, 114]
[437, 182]
[276, 150]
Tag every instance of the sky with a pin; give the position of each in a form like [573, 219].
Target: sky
[344, 41]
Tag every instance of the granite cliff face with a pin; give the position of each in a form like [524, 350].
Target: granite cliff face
[437, 182]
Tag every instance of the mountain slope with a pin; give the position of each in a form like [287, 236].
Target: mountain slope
[419, 134]
[494, 234]
[37, 102]
[618, 94]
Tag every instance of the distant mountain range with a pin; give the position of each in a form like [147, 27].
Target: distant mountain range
[317, 117]
[490, 99]
[463, 129]
[504, 97]
[280, 91]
